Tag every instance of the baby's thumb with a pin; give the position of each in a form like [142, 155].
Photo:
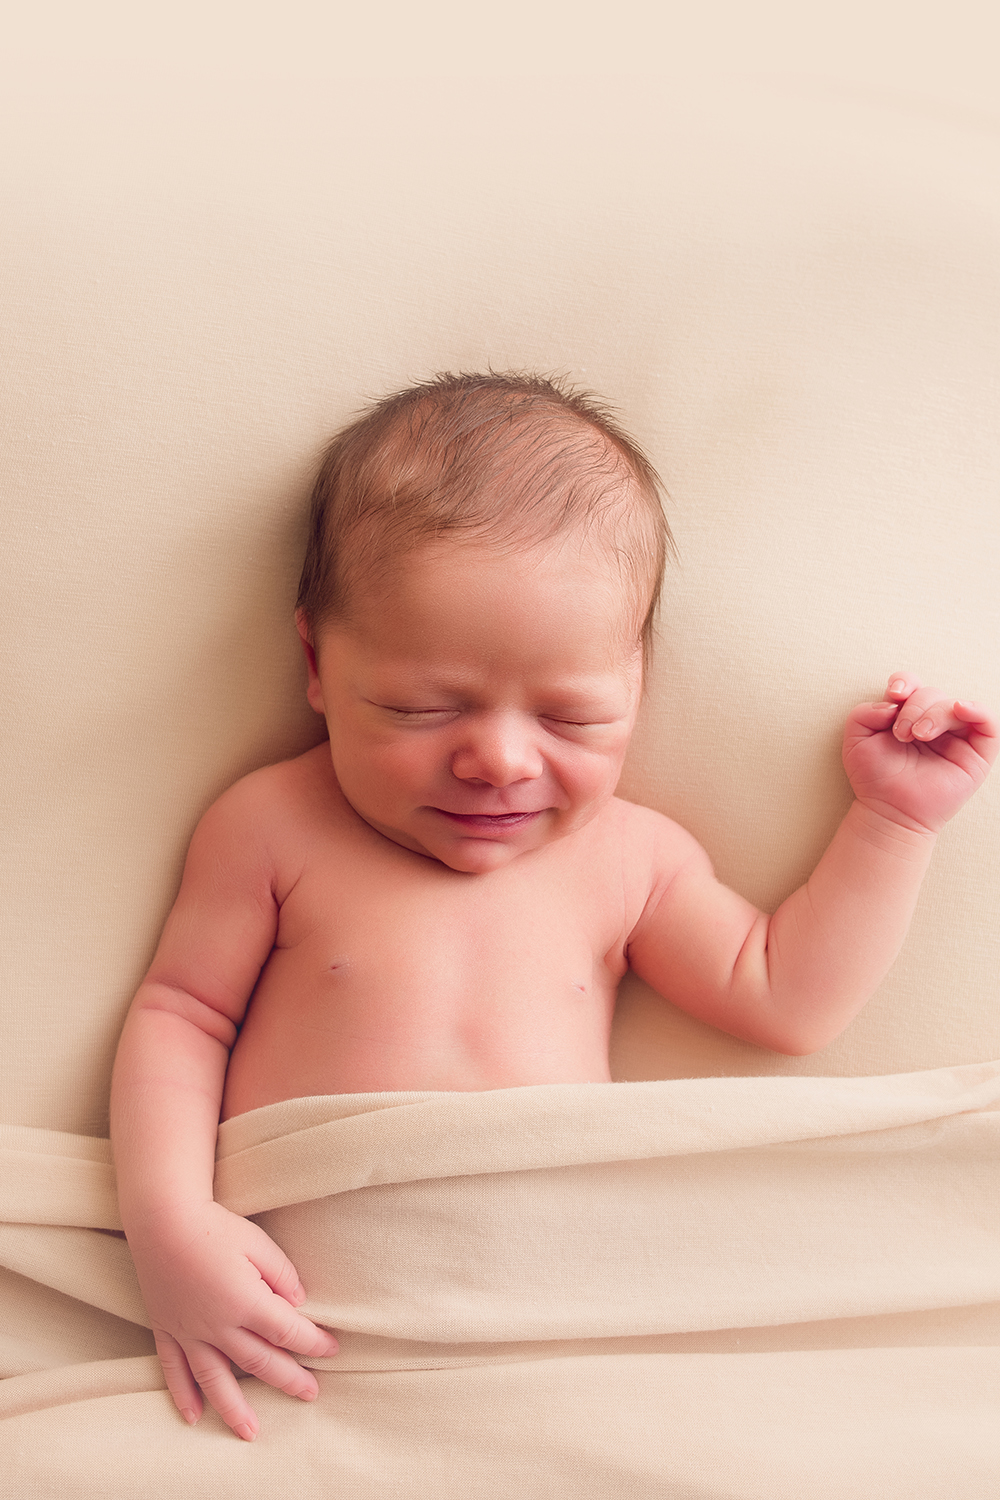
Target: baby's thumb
[278, 1271]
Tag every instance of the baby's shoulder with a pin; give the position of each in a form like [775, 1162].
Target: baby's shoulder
[655, 846]
[268, 807]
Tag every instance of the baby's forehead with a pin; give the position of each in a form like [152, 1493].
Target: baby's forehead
[457, 600]
[577, 557]
[458, 587]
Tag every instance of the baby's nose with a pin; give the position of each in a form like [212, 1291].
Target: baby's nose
[498, 752]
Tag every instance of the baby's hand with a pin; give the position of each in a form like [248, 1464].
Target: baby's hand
[217, 1288]
[918, 756]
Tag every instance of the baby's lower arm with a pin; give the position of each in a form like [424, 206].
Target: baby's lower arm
[215, 1287]
[166, 1095]
[826, 948]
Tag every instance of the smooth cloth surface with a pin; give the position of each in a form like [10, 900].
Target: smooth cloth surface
[713, 1287]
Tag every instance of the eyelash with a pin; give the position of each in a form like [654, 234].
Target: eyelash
[427, 714]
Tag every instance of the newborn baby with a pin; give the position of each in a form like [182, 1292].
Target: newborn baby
[447, 893]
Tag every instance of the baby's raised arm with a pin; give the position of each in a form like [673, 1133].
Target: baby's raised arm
[794, 980]
[215, 1286]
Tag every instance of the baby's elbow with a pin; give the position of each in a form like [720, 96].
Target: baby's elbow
[799, 1047]
[800, 1041]
[793, 1037]
[177, 1003]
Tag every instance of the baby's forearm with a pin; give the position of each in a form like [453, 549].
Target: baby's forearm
[166, 1094]
[827, 947]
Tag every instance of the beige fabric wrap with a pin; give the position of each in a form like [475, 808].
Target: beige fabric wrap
[592, 1289]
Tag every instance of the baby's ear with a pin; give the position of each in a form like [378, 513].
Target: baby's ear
[314, 692]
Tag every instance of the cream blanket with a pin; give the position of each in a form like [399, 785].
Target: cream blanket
[731, 1287]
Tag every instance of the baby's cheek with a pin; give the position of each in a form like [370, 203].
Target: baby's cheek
[593, 778]
[404, 766]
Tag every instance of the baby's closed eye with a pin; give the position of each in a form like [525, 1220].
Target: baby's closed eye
[417, 714]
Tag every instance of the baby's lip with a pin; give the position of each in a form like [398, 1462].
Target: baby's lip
[494, 820]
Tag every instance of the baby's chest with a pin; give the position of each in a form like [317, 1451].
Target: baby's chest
[406, 931]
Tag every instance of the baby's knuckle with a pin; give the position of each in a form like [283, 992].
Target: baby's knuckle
[285, 1333]
[257, 1362]
[287, 1276]
[169, 1352]
[208, 1375]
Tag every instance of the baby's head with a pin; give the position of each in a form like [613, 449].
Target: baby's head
[484, 564]
[507, 461]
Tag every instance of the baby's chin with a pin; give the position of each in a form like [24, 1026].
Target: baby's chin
[466, 853]
[479, 856]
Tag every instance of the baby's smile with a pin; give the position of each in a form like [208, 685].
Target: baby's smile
[484, 822]
[482, 706]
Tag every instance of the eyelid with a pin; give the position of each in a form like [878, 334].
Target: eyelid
[442, 712]
[579, 723]
[410, 713]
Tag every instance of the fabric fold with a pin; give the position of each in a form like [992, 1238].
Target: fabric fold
[300, 1148]
[586, 1212]
[566, 1270]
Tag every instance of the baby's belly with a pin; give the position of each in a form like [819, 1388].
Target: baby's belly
[355, 1034]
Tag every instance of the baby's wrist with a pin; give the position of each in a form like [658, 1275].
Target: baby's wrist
[891, 828]
[161, 1221]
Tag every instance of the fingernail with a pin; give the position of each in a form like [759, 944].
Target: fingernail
[189, 1416]
[309, 1395]
[897, 686]
[925, 727]
[245, 1431]
[299, 1293]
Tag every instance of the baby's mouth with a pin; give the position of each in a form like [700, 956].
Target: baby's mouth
[485, 822]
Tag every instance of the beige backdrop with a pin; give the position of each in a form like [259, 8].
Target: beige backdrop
[781, 267]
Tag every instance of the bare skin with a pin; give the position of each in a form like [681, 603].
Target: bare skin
[490, 981]
[446, 895]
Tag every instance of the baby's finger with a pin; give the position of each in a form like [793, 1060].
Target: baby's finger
[901, 685]
[275, 1322]
[926, 716]
[273, 1366]
[177, 1372]
[273, 1316]
[212, 1370]
[983, 729]
[277, 1271]
[925, 706]
[870, 718]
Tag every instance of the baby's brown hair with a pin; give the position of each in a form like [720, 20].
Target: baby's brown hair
[507, 459]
